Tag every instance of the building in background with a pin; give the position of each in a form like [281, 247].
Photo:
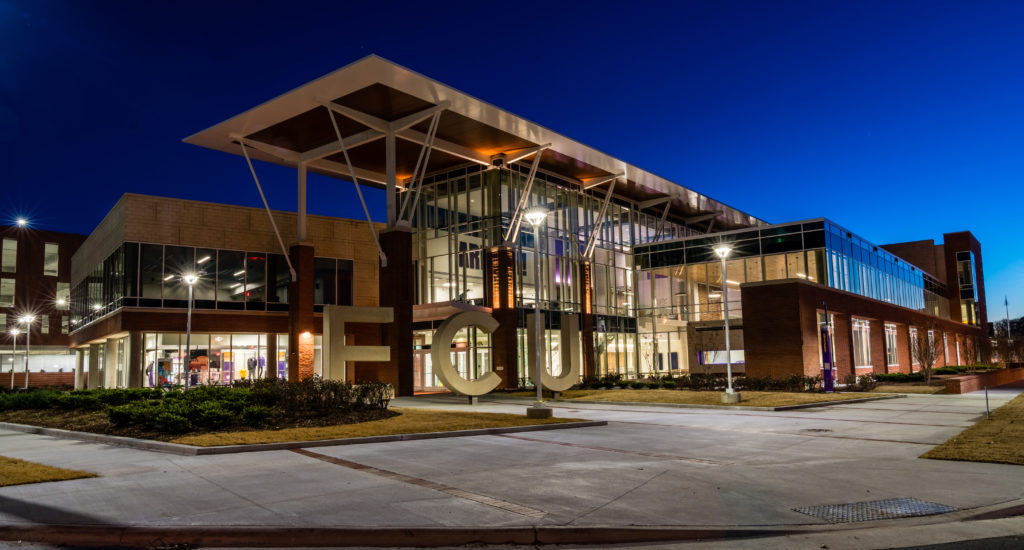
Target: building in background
[35, 280]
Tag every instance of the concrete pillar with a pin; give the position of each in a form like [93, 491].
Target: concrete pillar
[134, 355]
[95, 350]
[300, 313]
[271, 355]
[842, 333]
[396, 292]
[79, 369]
[501, 275]
[110, 353]
[876, 332]
[903, 349]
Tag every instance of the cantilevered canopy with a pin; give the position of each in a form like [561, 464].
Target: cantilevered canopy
[373, 97]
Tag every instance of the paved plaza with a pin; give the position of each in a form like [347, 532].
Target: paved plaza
[726, 472]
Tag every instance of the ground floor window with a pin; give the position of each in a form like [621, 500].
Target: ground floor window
[217, 359]
[861, 343]
[471, 355]
[891, 355]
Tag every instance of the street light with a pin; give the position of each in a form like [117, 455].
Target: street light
[14, 350]
[27, 320]
[536, 217]
[730, 396]
[190, 279]
[21, 221]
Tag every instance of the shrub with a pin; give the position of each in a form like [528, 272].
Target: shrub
[171, 423]
[900, 377]
[209, 415]
[78, 400]
[256, 416]
[26, 400]
[670, 384]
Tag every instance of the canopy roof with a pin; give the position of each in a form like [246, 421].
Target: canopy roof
[296, 127]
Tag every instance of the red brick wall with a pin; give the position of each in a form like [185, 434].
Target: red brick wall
[39, 380]
[975, 382]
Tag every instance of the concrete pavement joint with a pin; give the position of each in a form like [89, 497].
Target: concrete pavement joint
[395, 476]
[709, 407]
[613, 450]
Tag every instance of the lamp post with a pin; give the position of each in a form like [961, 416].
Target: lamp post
[14, 351]
[730, 395]
[27, 320]
[190, 279]
[536, 217]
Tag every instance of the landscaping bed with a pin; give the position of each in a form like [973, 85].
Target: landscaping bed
[168, 414]
[14, 471]
[999, 438]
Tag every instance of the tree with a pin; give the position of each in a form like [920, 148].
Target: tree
[925, 350]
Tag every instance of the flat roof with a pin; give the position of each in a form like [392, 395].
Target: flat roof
[296, 126]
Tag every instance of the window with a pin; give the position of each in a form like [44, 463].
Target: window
[891, 355]
[63, 298]
[63, 324]
[10, 256]
[861, 343]
[51, 253]
[44, 324]
[3, 321]
[6, 292]
[914, 341]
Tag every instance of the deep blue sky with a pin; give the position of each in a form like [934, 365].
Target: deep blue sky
[900, 120]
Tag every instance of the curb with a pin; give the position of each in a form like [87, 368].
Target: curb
[712, 407]
[189, 450]
[255, 537]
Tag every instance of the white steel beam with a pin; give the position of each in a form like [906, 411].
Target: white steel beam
[378, 124]
[446, 147]
[409, 121]
[654, 202]
[700, 218]
[516, 155]
[355, 140]
[661, 223]
[588, 250]
[594, 182]
[517, 214]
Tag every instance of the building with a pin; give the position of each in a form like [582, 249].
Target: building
[628, 253]
[35, 280]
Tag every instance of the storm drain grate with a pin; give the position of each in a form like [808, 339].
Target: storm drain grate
[890, 508]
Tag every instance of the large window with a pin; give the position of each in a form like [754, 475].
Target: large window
[51, 255]
[6, 292]
[861, 343]
[891, 354]
[9, 263]
[63, 298]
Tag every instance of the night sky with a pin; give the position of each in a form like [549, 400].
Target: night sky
[899, 120]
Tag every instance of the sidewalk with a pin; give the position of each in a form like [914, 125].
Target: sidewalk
[715, 470]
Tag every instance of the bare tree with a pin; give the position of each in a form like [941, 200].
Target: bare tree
[925, 350]
[970, 352]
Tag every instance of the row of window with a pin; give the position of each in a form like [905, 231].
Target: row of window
[8, 286]
[42, 323]
[151, 275]
[9, 257]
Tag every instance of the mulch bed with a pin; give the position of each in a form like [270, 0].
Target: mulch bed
[97, 422]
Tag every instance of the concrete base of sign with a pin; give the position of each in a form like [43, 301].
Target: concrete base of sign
[538, 410]
[730, 397]
[556, 395]
[474, 399]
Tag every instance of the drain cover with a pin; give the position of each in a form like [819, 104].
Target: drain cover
[890, 508]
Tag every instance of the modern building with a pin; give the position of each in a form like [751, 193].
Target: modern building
[630, 253]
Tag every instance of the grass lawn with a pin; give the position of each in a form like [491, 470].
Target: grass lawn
[996, 439]
[908, 389]
[17, 472]
[690, 397]
[408, 422]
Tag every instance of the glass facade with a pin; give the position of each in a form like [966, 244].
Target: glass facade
[216, 359]
[149, 275]
[461, 213]
[966, 276]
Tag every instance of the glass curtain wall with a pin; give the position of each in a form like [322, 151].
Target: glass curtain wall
[214, 359]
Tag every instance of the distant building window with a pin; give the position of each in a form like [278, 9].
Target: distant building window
[6, 292]
[3, 321]
[9, 263]
[50, 254]
[63, 298]
[63, 324]
[913, 356]
[44, 324]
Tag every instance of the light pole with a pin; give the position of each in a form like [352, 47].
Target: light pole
[536, 217]
[14, 351]
[730, 395]
[190, 279]
[27, 320]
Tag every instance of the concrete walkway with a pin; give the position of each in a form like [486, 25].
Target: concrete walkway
[651, 467]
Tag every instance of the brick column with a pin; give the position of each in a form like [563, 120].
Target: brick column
[902, 349]
[397, 291]
[300, 313]
[842, 334]
[879, 359]
[271, 371]
[499, 263]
